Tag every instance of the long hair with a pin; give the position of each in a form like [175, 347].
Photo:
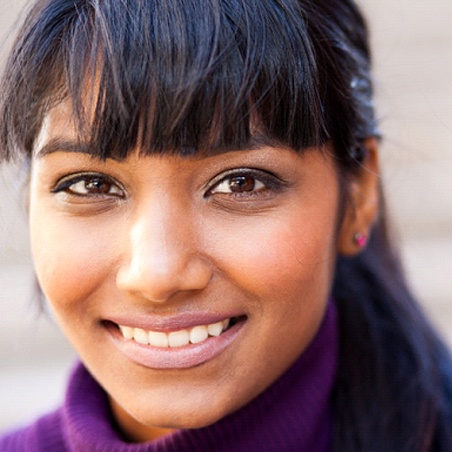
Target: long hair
[203, 76]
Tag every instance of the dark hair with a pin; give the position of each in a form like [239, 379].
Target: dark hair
[205, 76]
[163, 79]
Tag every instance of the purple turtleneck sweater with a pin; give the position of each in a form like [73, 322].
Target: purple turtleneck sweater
[293, 414]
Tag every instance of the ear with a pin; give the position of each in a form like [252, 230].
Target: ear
[362, 206]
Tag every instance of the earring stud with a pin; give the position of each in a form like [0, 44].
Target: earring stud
[360, 239]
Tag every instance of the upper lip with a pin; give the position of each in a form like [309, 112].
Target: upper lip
[171, 323]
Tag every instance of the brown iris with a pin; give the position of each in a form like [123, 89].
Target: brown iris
[240, 184]
[98, 185]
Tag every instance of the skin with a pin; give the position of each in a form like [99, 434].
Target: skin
[166, 236]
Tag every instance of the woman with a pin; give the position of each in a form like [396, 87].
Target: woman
[207, 224]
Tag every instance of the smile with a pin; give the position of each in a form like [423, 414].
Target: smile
[174, 339]
[178, 348]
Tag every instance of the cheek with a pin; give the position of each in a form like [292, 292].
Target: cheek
[70, 261]
[282, 255]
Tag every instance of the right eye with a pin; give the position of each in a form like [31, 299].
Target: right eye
[89, 185]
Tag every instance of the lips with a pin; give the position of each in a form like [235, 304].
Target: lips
[174, 339]
[178, 347]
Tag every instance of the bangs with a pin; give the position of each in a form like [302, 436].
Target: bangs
[169, 76]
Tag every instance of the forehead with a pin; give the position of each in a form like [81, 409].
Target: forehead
[61, 131]
[58, 124]
[195, 86]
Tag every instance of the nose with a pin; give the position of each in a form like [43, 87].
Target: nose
[162, 257]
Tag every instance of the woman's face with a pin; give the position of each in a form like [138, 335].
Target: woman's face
[186, 285]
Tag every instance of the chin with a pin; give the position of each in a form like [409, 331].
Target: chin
[170, 416]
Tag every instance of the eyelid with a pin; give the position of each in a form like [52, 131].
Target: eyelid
[67, 181]
[268, 178]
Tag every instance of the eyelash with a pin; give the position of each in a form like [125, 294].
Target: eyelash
[260, 183]
[67, 183]
[263, 183]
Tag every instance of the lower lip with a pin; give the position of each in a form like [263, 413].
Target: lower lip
[176, 358]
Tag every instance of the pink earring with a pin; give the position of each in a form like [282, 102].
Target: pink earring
[360, 239]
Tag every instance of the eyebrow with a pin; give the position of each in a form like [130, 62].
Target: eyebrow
[64, 145]
[60, 144]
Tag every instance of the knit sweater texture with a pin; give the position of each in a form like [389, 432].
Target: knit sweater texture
[293, 414]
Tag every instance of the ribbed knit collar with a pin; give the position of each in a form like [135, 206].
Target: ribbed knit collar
[293, 414]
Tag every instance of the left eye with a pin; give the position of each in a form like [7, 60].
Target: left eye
[89, 185]
[243, 183]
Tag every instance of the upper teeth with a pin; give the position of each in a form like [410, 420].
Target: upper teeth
[179, 338]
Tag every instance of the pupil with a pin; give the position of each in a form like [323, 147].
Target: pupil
[98, 185]
[241, 184]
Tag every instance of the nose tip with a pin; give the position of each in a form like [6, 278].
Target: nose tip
[162, 256]
[157, 278]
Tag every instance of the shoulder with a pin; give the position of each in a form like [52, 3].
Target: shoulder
[43, 435]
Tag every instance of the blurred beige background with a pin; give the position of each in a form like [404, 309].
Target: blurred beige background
[412, 42]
